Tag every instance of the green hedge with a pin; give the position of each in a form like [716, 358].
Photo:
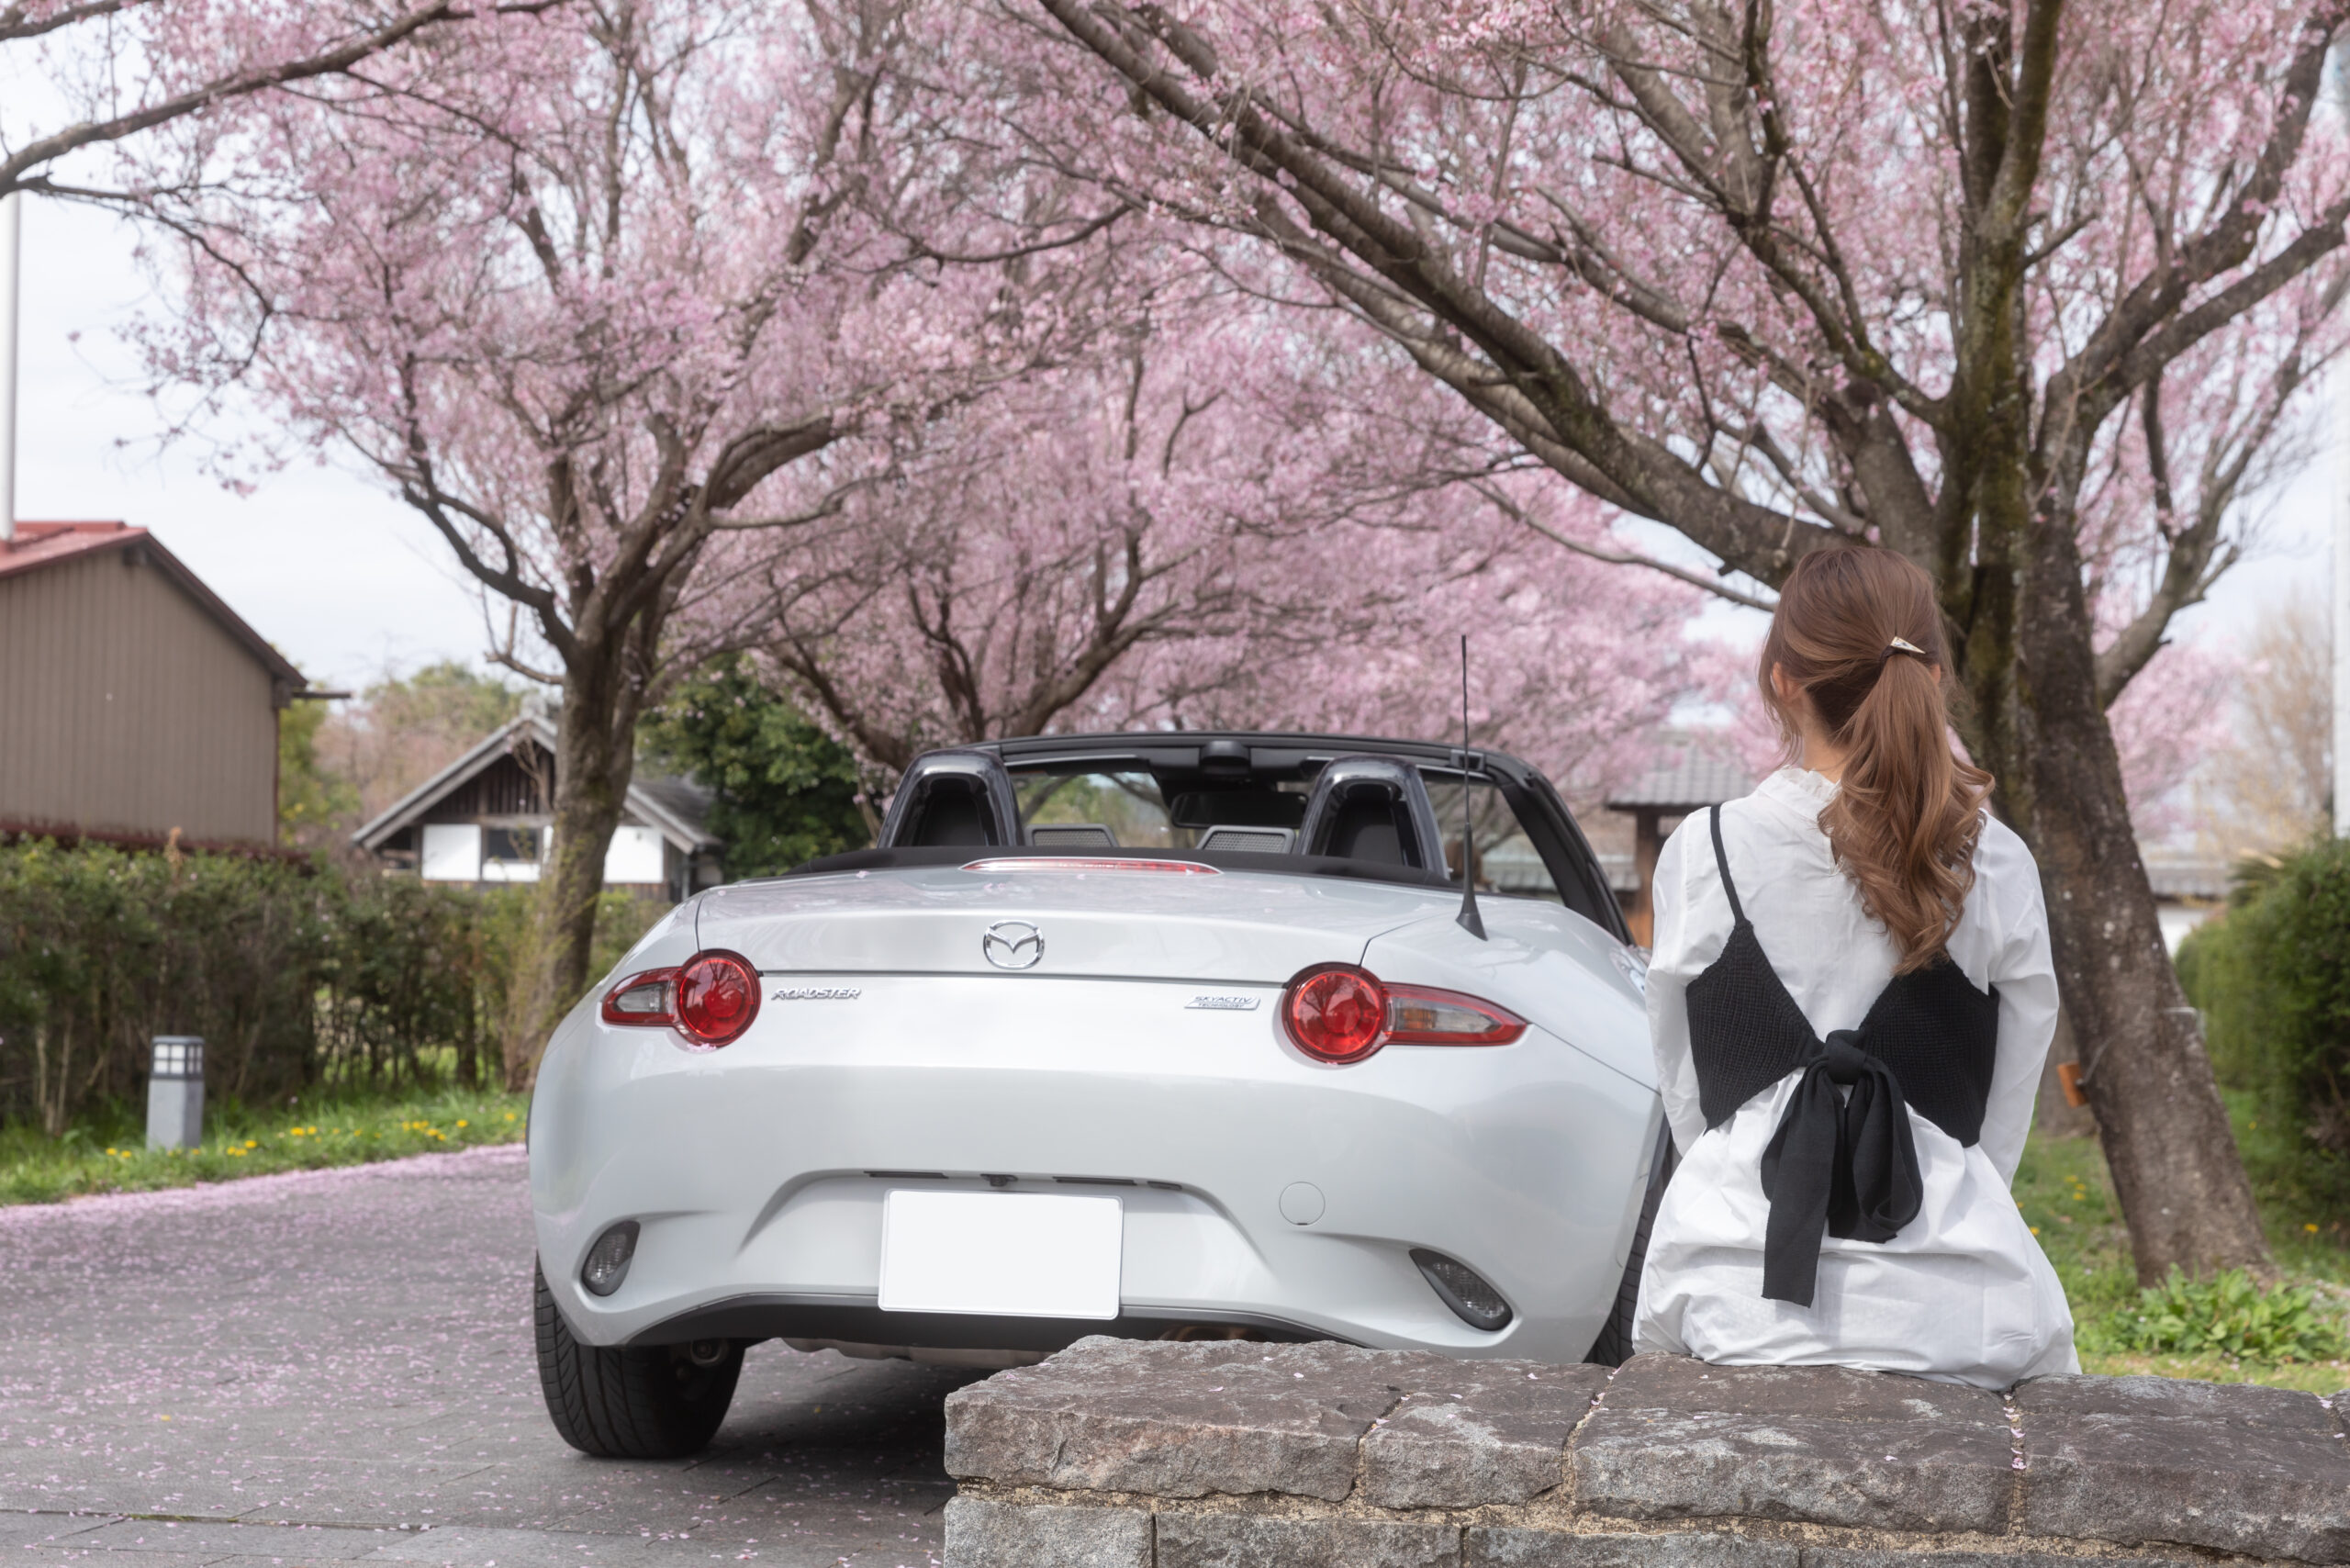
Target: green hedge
[294, 975]
[2272, 976]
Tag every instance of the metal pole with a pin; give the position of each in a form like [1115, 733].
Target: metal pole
[12, 207]
[2342, 624]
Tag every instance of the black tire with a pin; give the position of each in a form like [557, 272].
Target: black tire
[1614, 1345]
[651, 1402]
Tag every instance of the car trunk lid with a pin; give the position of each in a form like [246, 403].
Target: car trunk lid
[1145, 925]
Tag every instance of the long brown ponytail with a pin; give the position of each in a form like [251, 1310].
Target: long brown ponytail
[1906, 818]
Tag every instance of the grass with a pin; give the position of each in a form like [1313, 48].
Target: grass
[107, 1153]
[2067, 1198]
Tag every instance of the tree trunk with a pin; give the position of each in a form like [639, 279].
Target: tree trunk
[595, 756]
[2173, 1156]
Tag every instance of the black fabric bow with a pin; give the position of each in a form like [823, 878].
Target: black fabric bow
[1844, 1162]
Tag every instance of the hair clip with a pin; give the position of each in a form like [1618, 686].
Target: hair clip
[1904, 645]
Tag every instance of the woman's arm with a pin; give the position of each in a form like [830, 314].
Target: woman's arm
[1670, 971]
[2025, 975]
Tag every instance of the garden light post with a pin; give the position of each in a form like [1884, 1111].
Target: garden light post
[175, 1093]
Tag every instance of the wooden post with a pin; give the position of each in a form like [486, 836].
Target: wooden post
[1647, 844]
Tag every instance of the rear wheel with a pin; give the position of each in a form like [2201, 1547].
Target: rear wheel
[632, 1402]
[1614, 1345]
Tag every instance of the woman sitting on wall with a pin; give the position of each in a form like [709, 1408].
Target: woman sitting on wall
[1851, 996]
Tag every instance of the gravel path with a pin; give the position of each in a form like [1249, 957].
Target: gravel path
[336, 1365]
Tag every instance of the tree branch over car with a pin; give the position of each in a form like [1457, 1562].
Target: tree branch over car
[180, 60]
[2025, 292]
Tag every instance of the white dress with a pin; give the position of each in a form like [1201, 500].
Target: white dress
[1964, 1293]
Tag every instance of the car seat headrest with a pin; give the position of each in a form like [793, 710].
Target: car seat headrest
[1370, 808]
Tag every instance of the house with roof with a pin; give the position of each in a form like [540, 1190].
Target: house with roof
[487, 820]
[1688, 782]
[136, 708]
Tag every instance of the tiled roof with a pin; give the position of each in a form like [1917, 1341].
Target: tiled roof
[1690, 780]
[39, 545]
[675, 806]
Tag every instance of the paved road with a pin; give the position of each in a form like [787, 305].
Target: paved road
[336, 1365]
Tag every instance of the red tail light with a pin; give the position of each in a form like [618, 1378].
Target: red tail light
[718, 995]
[711, 999]
[1335, 1014]
[1340, 1014]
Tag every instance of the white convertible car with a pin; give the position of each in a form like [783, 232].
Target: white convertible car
[1170, 1035]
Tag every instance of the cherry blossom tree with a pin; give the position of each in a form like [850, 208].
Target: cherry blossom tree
[604, 285]
[128, 66]
[1217, 520]
[2025, 289]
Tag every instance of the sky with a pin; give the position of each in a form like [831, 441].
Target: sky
[321, 560]
[352, 585]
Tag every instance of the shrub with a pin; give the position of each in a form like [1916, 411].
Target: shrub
[2228, 1314]
[2272, 975]
[100, 950]
[294, 973]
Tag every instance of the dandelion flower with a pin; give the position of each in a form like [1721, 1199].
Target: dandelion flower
[461, 1121]
[2311, 1228]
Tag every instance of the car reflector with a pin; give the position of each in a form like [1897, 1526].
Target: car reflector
[1461, 1288]
[608, 1261]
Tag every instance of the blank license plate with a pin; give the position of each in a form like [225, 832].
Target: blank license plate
[1018, 1254]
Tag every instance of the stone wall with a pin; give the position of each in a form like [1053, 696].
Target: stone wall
[1121, 1454]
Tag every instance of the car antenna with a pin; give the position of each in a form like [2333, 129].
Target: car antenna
[1471, 921]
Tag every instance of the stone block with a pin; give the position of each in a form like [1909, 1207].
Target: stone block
[2137, 1459]
[1549, 1548]
[1251, 1540]
[1872, 1557]
[1487, 1433]
[1676, 1438]
[1181, 1420]
[983, 1533]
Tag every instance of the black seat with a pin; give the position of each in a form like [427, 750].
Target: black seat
[952, 813]
[1368, 825]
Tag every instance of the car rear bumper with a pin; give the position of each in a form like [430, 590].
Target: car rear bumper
[758, 1173]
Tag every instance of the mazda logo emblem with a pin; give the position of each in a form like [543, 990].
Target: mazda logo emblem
[1013, 945]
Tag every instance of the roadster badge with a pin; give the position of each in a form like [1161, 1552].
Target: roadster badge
[1013, 945]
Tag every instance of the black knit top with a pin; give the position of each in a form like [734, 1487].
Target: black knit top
[1842, 1161]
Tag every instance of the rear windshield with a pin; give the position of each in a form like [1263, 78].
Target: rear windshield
[1135, 814]
[1103, 811]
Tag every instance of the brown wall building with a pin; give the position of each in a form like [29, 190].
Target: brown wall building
[132, 701]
